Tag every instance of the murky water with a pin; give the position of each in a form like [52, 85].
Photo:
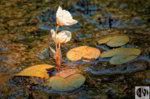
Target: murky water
[23, 44]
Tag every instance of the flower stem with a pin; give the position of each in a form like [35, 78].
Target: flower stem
[58, 59]
[59, 45]
[57, 27]
[58, 53]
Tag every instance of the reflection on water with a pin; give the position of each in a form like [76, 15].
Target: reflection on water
[22, 42]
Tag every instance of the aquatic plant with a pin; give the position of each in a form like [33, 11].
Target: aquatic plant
[36, 71]
[115, 40]
[85, 52]
[121, 55]
[65, 80]
[63, 18]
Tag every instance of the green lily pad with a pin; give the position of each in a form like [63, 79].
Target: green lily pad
[104, 40]
[121, 55]
[121, 52]
[116, 60]
[115, 41]
[69, 83]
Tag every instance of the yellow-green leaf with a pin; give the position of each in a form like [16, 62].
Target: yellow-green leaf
[116, 60]
[75, 81]
[36, 71]
[58, 83]
[69, 83]
[115, 41]
[121, 52]
[104, 40]
[118, 41]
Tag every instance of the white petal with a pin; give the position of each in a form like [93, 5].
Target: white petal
[65, 17]
[66, 14]
[59, 10]
[53, 32]
[70, 22]
[67, 40]
[69, 36]
[64, 36]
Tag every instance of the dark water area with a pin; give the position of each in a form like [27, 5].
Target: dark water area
[24, 29]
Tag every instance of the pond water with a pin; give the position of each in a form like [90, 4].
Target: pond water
[23, 44]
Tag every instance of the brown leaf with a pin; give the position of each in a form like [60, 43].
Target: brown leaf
[83, 51]
[68, 72]
[36, 71]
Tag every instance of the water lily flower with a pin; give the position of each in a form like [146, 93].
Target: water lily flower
[62, 37]
[63, 17]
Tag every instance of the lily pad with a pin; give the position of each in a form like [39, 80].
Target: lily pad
[36, 71]
[104, 40]
[121, 52]
[116, 60]
[115, 41]
[67, 82]
[68, 72]
[83, 52]
[121, 55]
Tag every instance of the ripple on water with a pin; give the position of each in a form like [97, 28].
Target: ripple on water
[16, 94]
[4, 68]
[123, 6]
[16, 70]
[80, 36]
[118, 70]
[2, 48]
[137, 20]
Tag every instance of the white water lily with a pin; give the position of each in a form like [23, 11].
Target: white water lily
[63, 17]
[62, 37]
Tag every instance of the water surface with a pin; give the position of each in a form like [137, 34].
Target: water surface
[22, 42]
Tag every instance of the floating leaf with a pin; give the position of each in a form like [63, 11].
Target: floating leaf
[116, 60]
[121, 55]
[75, 81]
[115, 41]
[118, 41]
[121, 52]
[68, 72]
[104, 40]
[83, 51]
[36, 71]
[66, 80]
[70, 83]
